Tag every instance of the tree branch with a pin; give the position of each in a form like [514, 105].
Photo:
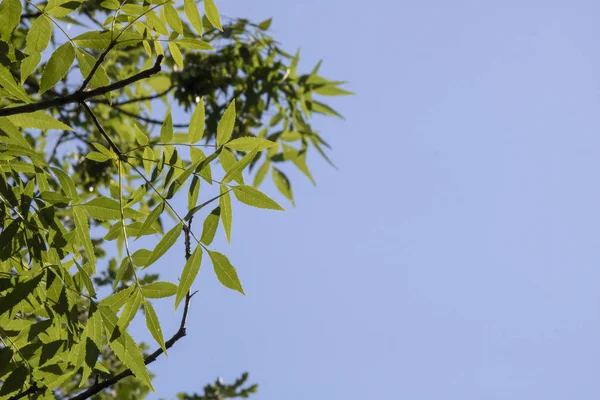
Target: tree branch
[79, 96]
[136, 100]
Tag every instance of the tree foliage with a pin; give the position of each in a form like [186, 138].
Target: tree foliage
[87, 168]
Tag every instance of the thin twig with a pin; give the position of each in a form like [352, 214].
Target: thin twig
[79, 97]
[145, 119]
[136, 100]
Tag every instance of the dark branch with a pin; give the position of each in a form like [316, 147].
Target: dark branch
[32, 389]
[79, 97]
[136, 100]
[144, 119]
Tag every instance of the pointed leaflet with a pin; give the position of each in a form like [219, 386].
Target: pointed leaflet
[191, 11]
[148, 159]
[172, 17]
[10, 85]
[39, 35]
[212, 14]
[226, 215]
[158, 290]
[125, 348]
[59, 63]
[166, 131]
[193, 192]
[37, 120]
[28, 65]
[209, 228]
[228, 160]
[176, 54]
[86, 63]
[238, 167]
[10, 14]
[153, 325]
[196, 129]
[152, 218]
[261, 173]
[140, 137]
[82, 229]
[129, 311]
[283, 184]
[225, 271]
[190, 270]
[106, 209]
[248, 143]
[252, 197]
[225, 126]
[66, 184]
[194, 44]
[165, 243]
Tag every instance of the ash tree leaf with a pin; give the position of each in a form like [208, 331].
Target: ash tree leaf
[93, 40]
[328, 90]
[196, 129]
[238, 167]
[193, 192]
[253, 197]
[166, 130]
[153, 325]
[323, 108]
[226, 214]
[165, 244]
[129, 311]
[140, 137]
[194, 44]
[141, 257]
[156, 23]
[225, 272]
[282, 183]
[37, 120]
[172, 17]
[176, 54]
[10, 15]
[188, 275]
[151, 219]
[159, 290]
[124, 347]
[86, 63]
[209, 227]
[82, 230]
[15, 381]
[106, 209]
[261, 173]
[212, 14]
[39, 35]
[148, 159]
[59, 63]
[248, 143]
[66, 184]
[62, 8]
[228, 160]
[226, 123]
[265, 24]
[10, 85]
[28, 65]
[193, 15]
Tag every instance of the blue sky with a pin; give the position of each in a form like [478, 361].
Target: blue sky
[454, 253]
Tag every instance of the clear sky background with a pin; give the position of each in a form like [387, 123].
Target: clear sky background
[455, 252]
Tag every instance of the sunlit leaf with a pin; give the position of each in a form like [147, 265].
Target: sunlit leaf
[212, 14]
[165, 244]
[188, 275]
[226, 123]
[226, 273]
[59, 63]
[252, 197]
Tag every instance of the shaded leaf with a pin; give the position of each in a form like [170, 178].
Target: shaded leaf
[59, 63]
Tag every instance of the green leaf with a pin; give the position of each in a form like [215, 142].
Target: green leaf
[265, 24]
[166, 130]
[159, 290]
[62, 8]
[209, 228]
[165, 244]
[59, 63]
[193, 192]
[212, 14]
[129, 311]
[228, 160]
[106, 209]
[252, 197]
[28, 65]
[261, 173]
[196, 129]
[66, 184]
[194, 44]
[226, 214]
[39, 35]
[110, 4]
[10, 15]
[194, 210]
[172, 17]
[140, 136]
[192, 13]
[125, 348]
[322, 108]
[86, 63]
[37, 120]
[283, 184]
[116, 300]
[188, 275]
[176, 54]
[152, 218]
[332, 91]
[82, 229]
[225, 271]
[148, 157]
[10, 85]
[248, 143]
[141, 257]
[93, 40]
[225, 126]
[15, 381]
[153, 325]
[238, 167]
[98, 157]
[156, 23]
